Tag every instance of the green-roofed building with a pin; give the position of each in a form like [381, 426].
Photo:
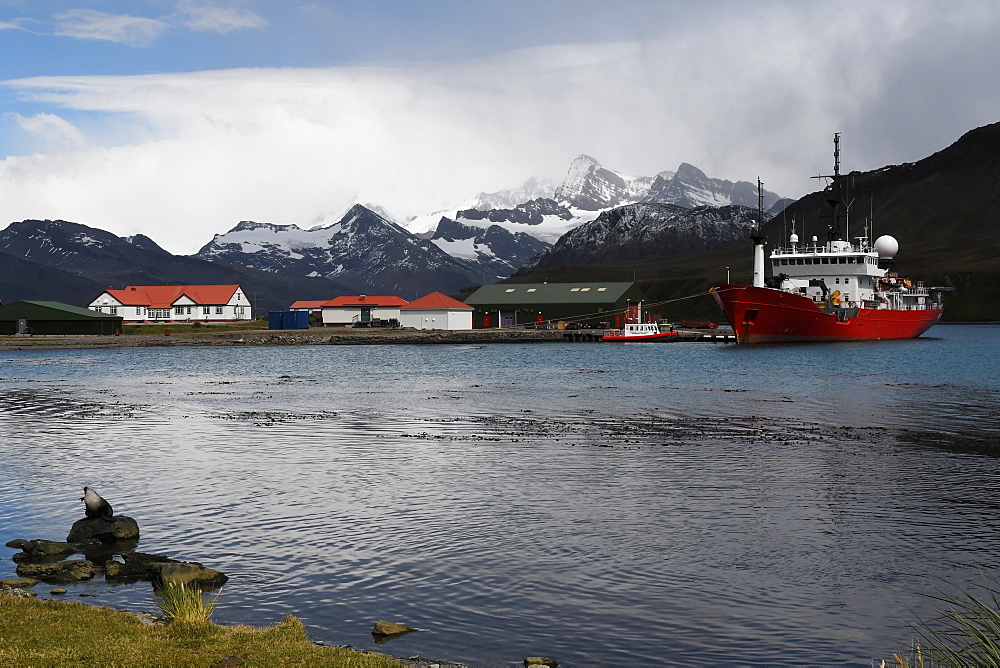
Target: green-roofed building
[35, 317]
[589, 304]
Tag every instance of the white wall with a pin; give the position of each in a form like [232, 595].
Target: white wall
[347, 315]
[436, 319]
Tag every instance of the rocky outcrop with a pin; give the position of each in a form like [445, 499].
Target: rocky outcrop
[73, 570]
[160, 569]
[119, 527]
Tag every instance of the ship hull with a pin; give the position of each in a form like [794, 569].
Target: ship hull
[663, 337]
[766, 315]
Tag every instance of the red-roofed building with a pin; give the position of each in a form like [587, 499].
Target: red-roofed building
[312, 307]
[436, 311]
[346, 311]
[175, 303]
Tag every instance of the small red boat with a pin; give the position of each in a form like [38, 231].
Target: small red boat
[636, 331]
[836, 291]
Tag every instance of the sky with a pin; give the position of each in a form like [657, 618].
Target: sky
[179, 118]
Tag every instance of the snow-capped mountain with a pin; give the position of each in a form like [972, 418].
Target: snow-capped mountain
[690, 187]
[362, 249]
[649, 230]
[497, 251]
[533, 188]
[591, 187]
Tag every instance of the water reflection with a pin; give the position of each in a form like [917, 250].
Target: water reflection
[605, 505]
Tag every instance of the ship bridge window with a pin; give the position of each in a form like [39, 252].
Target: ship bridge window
[825, 260]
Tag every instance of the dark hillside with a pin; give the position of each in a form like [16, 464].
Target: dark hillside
[73, 263]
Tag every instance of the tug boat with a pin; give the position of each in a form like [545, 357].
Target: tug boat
[637, 331]
[835, 291]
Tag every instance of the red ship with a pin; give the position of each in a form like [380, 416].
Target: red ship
[836, 291]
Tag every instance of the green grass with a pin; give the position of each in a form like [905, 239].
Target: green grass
[56, 633]
[182, 603]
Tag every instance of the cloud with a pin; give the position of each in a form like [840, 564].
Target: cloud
[52, 130]
[93, 25]
[221, 20]
[183, 156]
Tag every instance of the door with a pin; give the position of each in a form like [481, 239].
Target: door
[507, 319]
[366, 314]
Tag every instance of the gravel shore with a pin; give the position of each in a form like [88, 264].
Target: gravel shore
[265, 337]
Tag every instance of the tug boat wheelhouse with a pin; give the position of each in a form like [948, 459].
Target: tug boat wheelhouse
[836, 291]
[635, 330]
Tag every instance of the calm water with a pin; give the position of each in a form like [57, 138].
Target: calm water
[681, 504]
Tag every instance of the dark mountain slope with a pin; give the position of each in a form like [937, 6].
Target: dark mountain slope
[101, 259]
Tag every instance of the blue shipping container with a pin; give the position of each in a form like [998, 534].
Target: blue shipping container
[295, 320]
[274, 320]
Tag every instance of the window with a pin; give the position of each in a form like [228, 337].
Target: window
[509, 290]
[188, 310]
[218, 310]
[601, 289]
[113, 310]
[206, 310]
[531, 289]
[584, 289]
[178, 310]
[574, 289]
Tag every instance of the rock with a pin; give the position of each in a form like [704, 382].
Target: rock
[17, 543]
[58, 591]
[19, 593]
[119, 527]
[40, 549]
[383, 631]
[138, 565]
[61, 571]
[540, 661]
[184, 572]
[18, 583]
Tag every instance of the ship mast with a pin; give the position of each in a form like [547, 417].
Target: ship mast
[759, 239]
[834, 198]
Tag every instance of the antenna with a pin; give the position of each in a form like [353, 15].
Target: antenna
[833, 198]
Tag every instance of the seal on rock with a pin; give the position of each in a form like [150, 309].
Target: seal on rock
[96, 506]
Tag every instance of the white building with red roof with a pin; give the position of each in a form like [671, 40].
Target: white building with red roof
[367, 309]
[175, 303]
[436, 311]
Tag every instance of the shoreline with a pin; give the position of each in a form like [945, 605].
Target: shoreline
[283, 337]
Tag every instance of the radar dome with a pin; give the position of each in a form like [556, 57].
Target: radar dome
[794, 238]
[886, 247]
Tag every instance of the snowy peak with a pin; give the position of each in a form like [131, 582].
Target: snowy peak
[690, 187]
[591, 187]
[532, 189]
[497, 251]
[362, 249]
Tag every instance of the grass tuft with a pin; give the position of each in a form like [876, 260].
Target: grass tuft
[185, 603]
[966, 632]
